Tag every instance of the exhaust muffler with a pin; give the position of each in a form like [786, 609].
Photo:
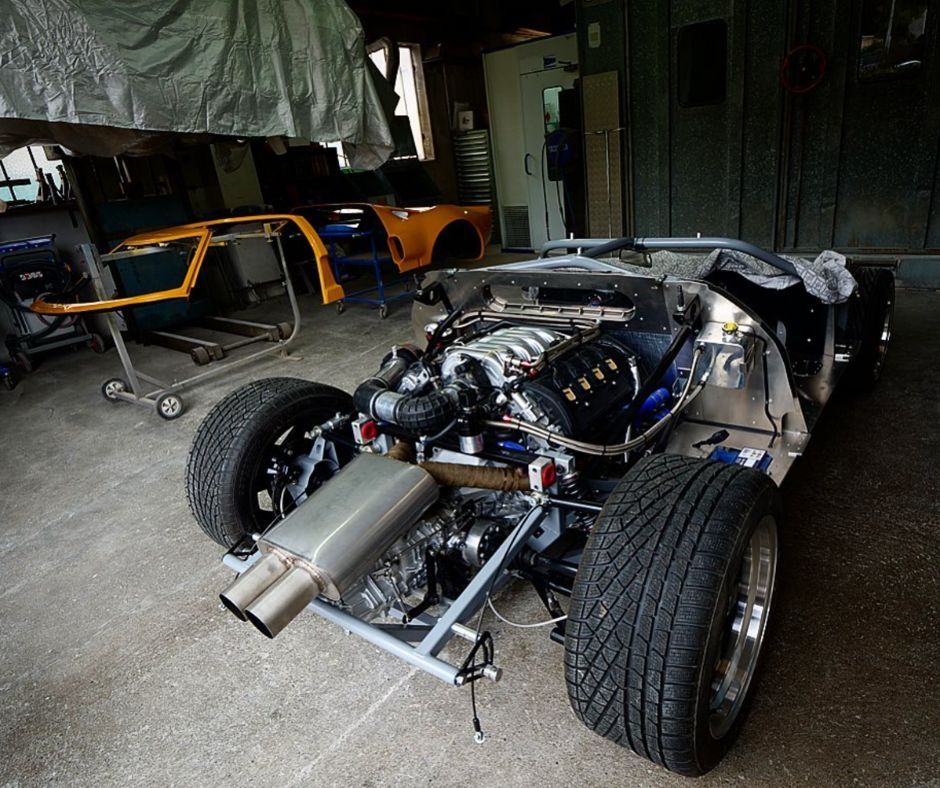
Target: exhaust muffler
[329, 542]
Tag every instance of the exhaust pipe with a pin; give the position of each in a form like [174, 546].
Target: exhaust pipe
[283, 601]
[250, 585]
[331, 541]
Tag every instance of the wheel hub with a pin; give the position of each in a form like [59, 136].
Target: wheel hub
[745, 624]
[297, 470]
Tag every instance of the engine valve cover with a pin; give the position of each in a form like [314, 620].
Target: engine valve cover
[499, 350]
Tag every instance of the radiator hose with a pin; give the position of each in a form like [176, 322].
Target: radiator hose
[423, 414]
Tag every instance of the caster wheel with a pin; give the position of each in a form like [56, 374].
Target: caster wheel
[200, 356]
[110, 388]
[9, 379]
[169, 406]
[340, 307]
[23, 361]
[96, 343]
[383, 312]
[284, 330]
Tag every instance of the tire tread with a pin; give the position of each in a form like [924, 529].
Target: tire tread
[225, 434]
[643, 601]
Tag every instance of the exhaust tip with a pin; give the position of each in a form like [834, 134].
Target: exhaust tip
[248, 586]
[260, 625]
[283, 601]
[234, 609]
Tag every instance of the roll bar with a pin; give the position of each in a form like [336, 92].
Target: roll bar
[596, 248]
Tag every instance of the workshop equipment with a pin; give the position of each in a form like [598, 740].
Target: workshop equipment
[164, 396]
[199, 237]
[362, 239]
[140, 270]
[369, 236]
[30, 269]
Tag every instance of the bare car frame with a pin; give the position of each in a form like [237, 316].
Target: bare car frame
[612, 432]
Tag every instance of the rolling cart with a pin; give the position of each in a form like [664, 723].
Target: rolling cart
[370, 259]
[139, 388]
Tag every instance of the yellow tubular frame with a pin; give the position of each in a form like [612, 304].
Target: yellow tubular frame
[203, 233]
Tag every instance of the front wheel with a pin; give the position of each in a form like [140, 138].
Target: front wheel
[253, 458]
[670, 606]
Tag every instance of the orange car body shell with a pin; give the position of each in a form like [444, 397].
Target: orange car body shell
[412, 233]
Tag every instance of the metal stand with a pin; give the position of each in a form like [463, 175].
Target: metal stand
[162, 396]
[332, 233]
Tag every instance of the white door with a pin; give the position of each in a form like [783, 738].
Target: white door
[540, 116]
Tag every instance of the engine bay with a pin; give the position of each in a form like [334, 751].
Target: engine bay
[598, 433]
[534, 395]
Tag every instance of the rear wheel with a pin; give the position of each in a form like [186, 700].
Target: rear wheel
[873, 314]
[670, 606]
[253, 460]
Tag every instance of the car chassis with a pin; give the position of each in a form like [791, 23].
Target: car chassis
[743, 392]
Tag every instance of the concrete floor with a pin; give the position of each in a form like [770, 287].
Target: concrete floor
[117, 666]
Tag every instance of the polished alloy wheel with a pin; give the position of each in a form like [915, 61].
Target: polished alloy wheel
[884, 339]
[745, 625]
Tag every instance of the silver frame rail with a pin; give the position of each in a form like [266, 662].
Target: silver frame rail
[437, 630]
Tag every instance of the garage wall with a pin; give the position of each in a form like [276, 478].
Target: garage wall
[850, 164]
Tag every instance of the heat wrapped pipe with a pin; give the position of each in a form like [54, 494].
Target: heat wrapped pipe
[455, 474]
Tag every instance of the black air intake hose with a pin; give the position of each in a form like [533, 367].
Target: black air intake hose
[423, 414]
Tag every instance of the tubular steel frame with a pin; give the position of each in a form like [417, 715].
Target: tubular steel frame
[136, 395]
[432, 633]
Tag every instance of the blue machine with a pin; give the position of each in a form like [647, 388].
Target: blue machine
[30, 267]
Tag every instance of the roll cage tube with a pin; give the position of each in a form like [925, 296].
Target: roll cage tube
[203, 234]
[593, 249]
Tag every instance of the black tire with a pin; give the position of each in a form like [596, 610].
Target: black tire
[233, 443]
[873, 318]
[652, 605]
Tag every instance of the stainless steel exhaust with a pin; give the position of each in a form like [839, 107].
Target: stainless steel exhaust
[251, 584]
[283, 601]
[332, 540]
